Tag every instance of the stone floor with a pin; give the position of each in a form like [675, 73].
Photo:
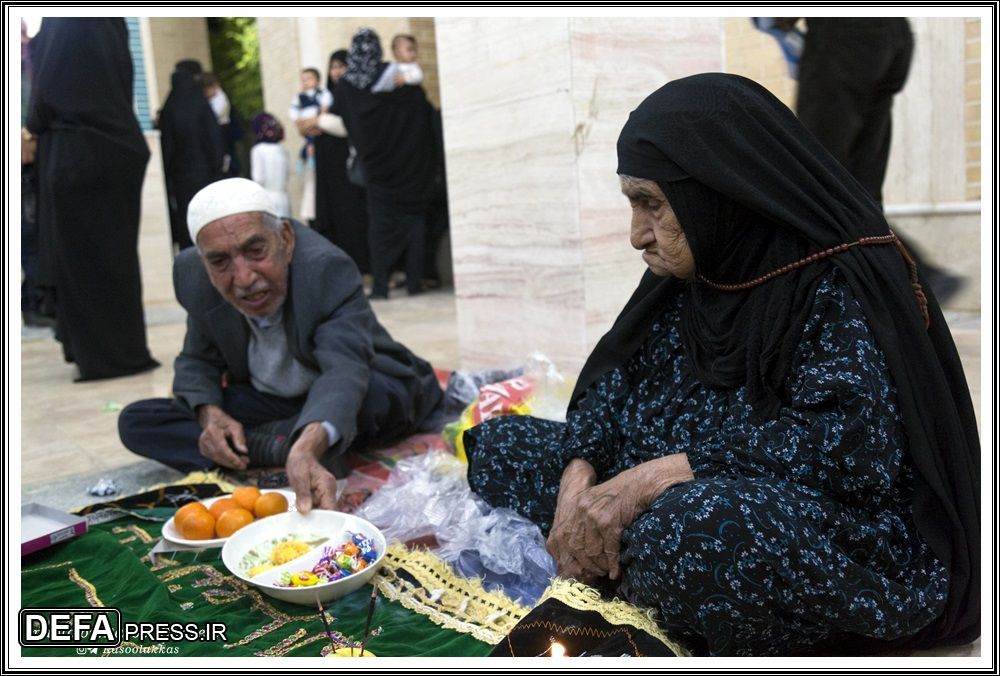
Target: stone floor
[68, 430]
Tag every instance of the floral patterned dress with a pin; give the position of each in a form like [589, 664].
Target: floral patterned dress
[795, 532]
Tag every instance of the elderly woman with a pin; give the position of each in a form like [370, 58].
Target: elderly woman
[774, 445]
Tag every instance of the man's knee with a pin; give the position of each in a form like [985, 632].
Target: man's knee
[133, 423]
[146, 418]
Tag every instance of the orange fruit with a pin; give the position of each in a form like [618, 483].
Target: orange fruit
[246, 497]
[269, 504]
[184, 512]
[231, 521]
[198, 526]
[220, 507]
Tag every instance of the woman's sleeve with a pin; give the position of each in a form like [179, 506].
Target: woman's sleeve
[840, 432]
[592, 431]
[332, 124]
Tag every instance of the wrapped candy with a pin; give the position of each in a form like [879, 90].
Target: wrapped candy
[366, 547]
[348, 558]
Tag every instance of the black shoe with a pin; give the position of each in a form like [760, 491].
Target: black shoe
[268, 444]
[374, 295]
[273, 479]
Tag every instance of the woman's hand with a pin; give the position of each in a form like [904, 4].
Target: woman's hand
[578, 476]
[585, 539]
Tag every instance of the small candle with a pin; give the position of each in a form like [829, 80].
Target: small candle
[557, 650]
[347, 651]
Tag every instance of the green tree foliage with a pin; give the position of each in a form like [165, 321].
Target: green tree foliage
[236, 60]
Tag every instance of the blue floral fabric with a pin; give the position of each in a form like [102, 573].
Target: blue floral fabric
[795, 533]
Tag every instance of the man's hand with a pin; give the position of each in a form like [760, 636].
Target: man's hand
[587, 543]
[399, 80]
[221, 439]
[313, 484]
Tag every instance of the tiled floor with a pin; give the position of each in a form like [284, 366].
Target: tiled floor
[69, 429]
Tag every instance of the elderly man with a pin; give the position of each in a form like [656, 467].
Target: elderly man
[284, 362]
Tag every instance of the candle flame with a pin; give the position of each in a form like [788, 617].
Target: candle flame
[557, 650]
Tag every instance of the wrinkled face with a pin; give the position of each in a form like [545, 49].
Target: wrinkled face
[247, 261]
[656, 230]
[308, 81]
[337, 70]
[405, 51]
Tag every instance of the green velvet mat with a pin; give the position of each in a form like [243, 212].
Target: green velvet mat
[109, 566]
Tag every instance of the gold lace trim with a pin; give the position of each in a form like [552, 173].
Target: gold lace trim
[581, 597]
[447, 599]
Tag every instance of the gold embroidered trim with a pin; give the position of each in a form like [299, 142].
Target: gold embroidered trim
[140, 533]
[286, 644]
[447, 599]
[581, 597]
[559, 629]
[89, 591]
[51, 566]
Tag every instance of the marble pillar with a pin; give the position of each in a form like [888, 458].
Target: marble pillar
[926, 183]
[532, 110]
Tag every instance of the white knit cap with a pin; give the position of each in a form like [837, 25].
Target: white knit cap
[225, 198]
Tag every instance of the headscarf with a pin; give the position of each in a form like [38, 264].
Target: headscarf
[753, 190]
[189, 66]
[266, 128]
[339, 55]
[364, 60]
[189, 131]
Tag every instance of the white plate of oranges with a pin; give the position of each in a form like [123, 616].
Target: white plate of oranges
[210, 522]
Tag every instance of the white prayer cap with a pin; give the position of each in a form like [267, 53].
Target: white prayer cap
[225, 198]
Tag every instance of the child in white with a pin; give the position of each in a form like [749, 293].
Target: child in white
[405, 71]
[269, 161]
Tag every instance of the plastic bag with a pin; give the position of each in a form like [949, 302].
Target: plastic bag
[422, 494]
[463, 386]
[428, 497]
[541, 391]
[552, 392]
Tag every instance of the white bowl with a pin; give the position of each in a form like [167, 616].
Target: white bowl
[170, 532]
[321, 527]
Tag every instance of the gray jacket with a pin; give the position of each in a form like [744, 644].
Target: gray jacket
[330, 327]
